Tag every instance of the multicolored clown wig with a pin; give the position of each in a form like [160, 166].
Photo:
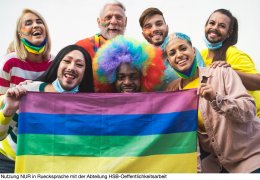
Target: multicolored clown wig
[145, 58]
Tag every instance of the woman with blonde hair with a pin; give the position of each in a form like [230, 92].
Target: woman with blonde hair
[31, 56]
[10, 48]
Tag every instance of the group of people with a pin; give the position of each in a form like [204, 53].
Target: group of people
[226, 78]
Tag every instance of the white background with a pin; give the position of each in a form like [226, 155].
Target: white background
[72, 20]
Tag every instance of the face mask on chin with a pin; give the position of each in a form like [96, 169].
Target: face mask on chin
[57, 86]
[34, 48]
[213, 46]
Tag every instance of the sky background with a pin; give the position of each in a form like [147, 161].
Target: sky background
[72, 20]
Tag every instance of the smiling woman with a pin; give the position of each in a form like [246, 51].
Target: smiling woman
[71, 72]
[226, 111]
[31, 51]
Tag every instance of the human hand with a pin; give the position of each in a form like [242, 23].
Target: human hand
[206, 91]
[16, 92]
[220, 64]
[25, 82]
[12, 100]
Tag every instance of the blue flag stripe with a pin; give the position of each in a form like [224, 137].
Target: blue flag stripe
[96, 125]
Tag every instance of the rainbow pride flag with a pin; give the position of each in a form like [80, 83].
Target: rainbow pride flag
[108, 133]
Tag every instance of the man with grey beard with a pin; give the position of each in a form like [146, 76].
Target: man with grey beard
[111, 22]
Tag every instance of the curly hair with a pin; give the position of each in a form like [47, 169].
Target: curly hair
[145, 58]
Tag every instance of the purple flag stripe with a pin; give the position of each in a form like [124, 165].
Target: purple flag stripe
[135, 103]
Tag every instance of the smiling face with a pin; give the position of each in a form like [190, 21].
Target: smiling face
[71, 70]
[180, 54]
[128, 79]
[217, 28]
[112, 21]
[155, 29]
[32, 29]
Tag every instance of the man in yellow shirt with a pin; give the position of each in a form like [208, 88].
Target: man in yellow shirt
[221, 34]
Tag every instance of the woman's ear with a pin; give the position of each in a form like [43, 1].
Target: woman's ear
[20, 35]
[194, 49]
[164, 55]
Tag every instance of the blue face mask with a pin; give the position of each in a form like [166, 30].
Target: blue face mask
[58, 88]
[212, 46]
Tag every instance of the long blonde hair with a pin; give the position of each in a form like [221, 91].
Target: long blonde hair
[10, 47]
[19, 48]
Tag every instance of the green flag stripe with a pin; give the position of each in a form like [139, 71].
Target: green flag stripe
[106, 146]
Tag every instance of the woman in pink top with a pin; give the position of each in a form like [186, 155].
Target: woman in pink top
[31, 46]
[228, 129]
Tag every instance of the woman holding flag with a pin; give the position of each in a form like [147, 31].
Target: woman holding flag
[71, 72]
[228, 129]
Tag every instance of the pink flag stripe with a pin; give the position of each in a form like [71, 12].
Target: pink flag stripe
[144, 103]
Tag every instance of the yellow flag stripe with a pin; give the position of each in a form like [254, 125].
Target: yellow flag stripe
[177, 163]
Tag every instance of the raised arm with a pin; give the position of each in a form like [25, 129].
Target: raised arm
[236, 104]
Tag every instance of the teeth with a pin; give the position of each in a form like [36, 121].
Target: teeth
[69, 76]
[36, 33]
[213, 33]
[127, 89]
[181, 61]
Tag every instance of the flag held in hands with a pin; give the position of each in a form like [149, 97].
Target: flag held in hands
[108, 133]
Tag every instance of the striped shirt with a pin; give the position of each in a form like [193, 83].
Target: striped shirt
[8, 125]
[13, 70]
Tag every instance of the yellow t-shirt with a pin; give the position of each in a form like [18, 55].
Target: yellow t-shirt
[194, 84]
[239, 61]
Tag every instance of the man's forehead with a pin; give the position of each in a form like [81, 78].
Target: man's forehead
[112, 9]
[125, 67]
[154, 18]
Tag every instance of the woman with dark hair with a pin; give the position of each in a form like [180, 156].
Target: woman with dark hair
[221, 36]
[228, 128]
[71, 71]
[86, 85]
